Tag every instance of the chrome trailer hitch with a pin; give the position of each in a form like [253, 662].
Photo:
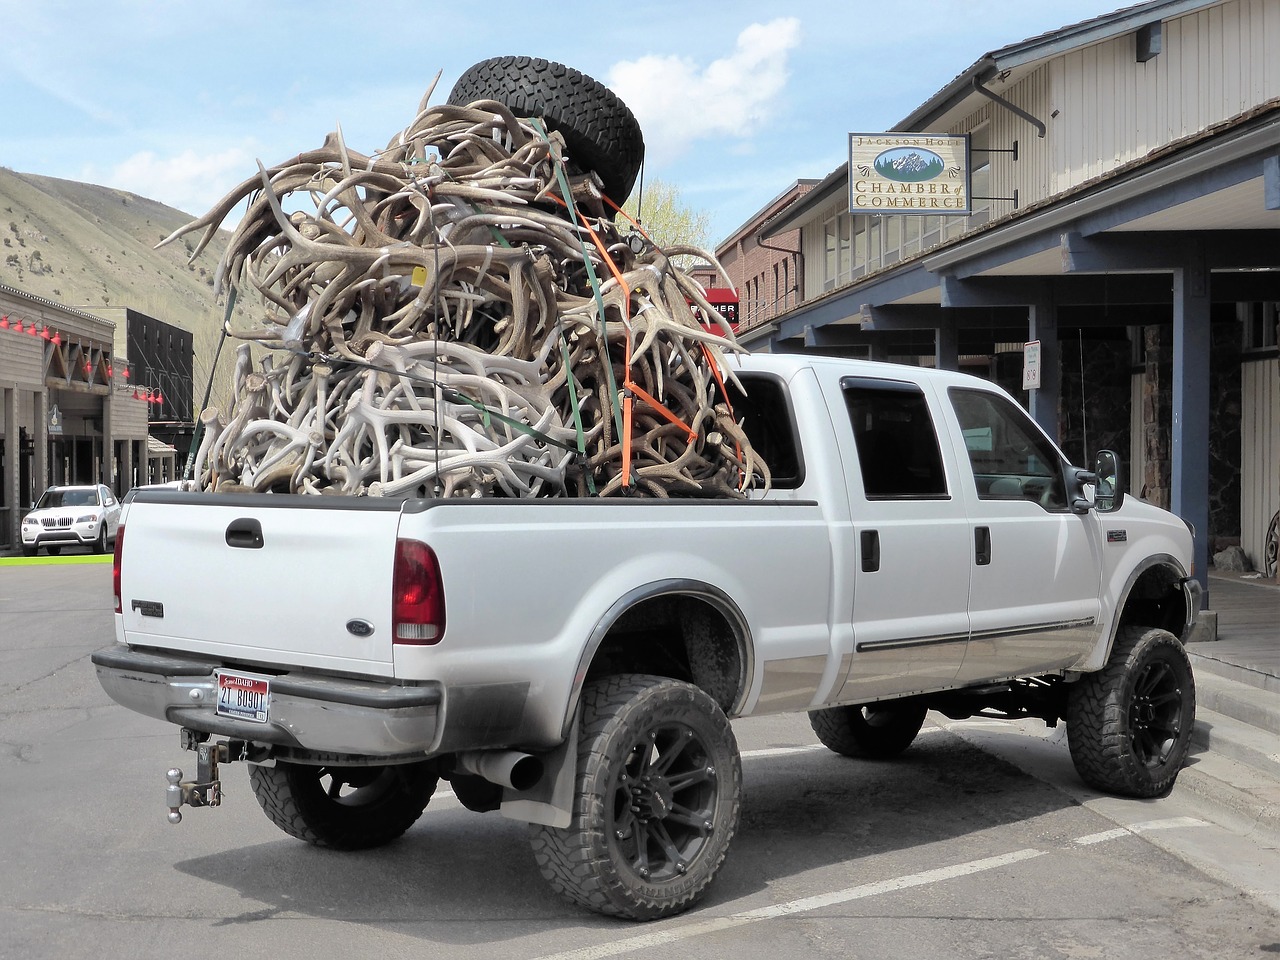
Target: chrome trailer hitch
[206, 789]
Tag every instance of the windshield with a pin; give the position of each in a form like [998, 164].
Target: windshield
[57, 499]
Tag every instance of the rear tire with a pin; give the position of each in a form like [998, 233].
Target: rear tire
[658, 796]
[1129, 725]
[875, 731]
[345, 808]
[600, 132]
[53, 551]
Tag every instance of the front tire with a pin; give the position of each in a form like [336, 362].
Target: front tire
[100, 545]
[658, 796]
[876, 731]
[1129, 725]
[345, 808]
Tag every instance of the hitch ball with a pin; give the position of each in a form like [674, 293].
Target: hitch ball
[173, 794]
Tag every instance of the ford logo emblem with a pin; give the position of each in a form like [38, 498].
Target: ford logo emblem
[360, 628]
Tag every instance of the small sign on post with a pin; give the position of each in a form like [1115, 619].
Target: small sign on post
[1031, 365]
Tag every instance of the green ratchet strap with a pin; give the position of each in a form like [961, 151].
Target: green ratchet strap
[577, 414]
[558, 163]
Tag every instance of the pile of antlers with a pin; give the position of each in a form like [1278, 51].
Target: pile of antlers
[456, 316]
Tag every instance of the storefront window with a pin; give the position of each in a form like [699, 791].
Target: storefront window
[893, 239]
[845, 223]
[829, 248]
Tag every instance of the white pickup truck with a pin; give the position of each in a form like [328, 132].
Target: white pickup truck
[575, 663]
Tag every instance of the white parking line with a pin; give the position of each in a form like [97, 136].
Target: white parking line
[780, 751]
[1146, 826]
[698, 928]
[685, 931]
[811, 748]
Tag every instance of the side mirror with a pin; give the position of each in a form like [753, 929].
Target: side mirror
[1110, 481]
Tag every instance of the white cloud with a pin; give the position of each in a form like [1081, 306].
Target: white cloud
[677, 102]
[191, 181]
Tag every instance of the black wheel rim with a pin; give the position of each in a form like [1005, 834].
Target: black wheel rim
[1272, 546]
[1155, 713]
[664, 799]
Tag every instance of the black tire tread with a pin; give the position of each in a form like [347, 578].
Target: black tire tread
[276, 789]
[601, 133]
[566, 857]
[1097, 721]
[843, 730]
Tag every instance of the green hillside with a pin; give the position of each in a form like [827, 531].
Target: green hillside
[92, 247]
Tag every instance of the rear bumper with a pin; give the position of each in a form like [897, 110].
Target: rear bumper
[308, 711]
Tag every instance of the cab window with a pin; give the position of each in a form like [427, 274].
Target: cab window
[897, 444]
[1011, 459]
[767, 419]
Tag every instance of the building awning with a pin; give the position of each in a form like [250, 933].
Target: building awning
[158, 448]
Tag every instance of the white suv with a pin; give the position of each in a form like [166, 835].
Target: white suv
[79, 516]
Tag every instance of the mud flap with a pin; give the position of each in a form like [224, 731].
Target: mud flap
[550, 802]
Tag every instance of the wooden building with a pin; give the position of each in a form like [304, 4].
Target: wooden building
[1125, 190]
[69, 412]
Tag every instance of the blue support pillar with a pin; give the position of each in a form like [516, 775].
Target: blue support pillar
[1190, 453]
[1042, 325]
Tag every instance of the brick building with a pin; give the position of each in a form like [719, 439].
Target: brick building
[766, 274]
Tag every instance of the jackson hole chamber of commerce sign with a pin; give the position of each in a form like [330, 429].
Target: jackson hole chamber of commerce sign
[921, 173]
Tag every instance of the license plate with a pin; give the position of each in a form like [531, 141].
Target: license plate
[244, 697]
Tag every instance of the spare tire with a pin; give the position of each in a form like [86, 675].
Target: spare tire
[600, 132]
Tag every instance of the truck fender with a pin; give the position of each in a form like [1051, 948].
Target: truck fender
[1098, 658]
[713, 596]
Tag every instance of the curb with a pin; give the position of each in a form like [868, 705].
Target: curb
[1234, 796]
[53, 561]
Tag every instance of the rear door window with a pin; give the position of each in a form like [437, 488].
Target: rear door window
[896, 439]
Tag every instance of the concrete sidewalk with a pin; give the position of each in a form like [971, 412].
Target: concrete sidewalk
[1248, 609]
[1233, 774]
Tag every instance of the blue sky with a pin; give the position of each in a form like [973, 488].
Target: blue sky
[176, 101]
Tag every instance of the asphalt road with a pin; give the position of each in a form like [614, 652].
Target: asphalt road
[953, 851]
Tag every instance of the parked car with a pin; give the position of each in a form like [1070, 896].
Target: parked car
[71, 516]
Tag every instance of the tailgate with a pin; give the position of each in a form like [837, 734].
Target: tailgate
[271, 578]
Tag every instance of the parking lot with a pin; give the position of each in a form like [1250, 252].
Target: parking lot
[951, 851]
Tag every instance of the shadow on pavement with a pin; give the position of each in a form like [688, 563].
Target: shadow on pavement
[471, 878]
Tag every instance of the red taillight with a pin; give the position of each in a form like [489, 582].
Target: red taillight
[417, 599]
[115, 565]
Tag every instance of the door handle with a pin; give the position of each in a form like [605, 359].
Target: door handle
[982, 545]
[245, 532]
[870, 551]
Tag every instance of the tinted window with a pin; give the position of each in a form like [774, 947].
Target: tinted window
[765, 416]
[1010, 457]
[896, 440]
